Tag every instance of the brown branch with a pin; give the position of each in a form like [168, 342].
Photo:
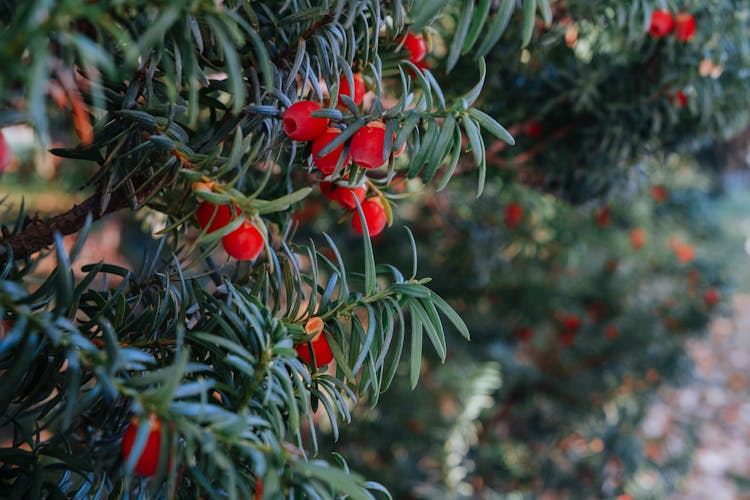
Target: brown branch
[39, 234]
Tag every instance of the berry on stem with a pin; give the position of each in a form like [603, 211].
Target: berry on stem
[320, 346]
[662, 24]
[244, 243]
[416, 46]
[359, 89]
[327, 164]
[685, 30]
[148, 461]
[223, 216]
[300, 125]
[374, 216]
[367, 145]
[342, 195]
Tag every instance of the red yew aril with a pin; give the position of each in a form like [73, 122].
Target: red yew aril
[320, 346]
[680, 99]
[416, 46]
[604, 217]
[223, 216]
[368, 144]
[637, 238]
[327, 164]
[343, 195]
[513, 215]
[524, 333]
[611, 332]
[5, 153]
[567, 337]
[148, 461]
[685, 30]
[659, 193]
[711, 296]
[244, 243]
[570, 322]
[533, 129]
[662, 24]
[359, 89]
[374, 216]
[300, 125]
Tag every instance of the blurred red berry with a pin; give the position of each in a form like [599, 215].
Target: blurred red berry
[244, 243]
[711, 296]
[659, 193]
[359, 89]
[685, 30]
[637, 238]
[5, 153]
[148, 461]
[604, 217]
[611, 332]
[513, 215]
[300, 125]
[533, 129]
[374, 216]
[567, 337]
[367, 145]
[327, 164]
[680, 99]
[570, 322]
[524, 333]
[662, 24]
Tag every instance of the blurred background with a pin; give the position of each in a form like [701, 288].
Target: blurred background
[604, 273]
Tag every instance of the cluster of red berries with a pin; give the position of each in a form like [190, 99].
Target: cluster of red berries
[366, 149]
[244, 243]
[662, 24]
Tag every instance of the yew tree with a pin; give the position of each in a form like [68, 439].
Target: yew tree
[205, 369]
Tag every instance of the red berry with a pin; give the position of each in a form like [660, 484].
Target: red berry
[148, 461]
[416, 46]
[611, 332]
[711, 296]
[223, 216]
[320, 347]
[244, 243]
[637, 238]
[5, 153]
[571, 323]
[513, 215]
[367, 145]
[680, 98]
[567, 337]
[659, 193]
[300, 125]
[327, 164]
[359, 89]
[662, 24]
[604, 217]
[533, 129]
[524, 333]
[685, 27]
[344, 196]
[374, 215]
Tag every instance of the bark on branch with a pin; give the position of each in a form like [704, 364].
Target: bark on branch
[39, 234]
